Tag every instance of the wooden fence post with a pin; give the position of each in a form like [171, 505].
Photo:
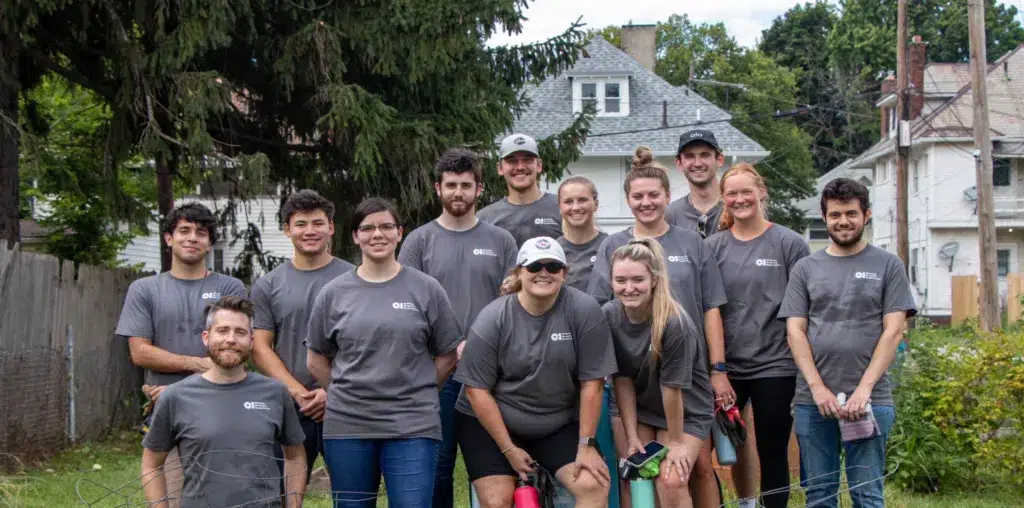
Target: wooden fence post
[1014, 289]
[965, 298]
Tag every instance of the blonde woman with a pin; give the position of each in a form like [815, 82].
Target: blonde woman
[577, 201]
[533, 371]
[755, 257]
[662, 387]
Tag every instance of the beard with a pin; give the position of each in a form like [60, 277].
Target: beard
[222, 357]
[858, 233]
[452, 206]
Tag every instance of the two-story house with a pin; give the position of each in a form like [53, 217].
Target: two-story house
[941, 181]
[634, 107]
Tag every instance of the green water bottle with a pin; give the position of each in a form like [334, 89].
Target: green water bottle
[641, 491]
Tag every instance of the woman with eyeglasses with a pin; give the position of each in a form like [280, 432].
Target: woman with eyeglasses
[662, 388]
[695, 283]
[755, 257]
[383, 338]
[577, 201]
[533, 371]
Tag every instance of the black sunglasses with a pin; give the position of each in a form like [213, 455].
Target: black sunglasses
[550, 266]
[702, 223]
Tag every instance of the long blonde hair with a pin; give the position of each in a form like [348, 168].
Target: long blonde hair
[663, 306]
[727, 220]
[512, 283]
[589, 184]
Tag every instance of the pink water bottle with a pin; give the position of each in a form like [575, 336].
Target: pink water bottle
[526, 495]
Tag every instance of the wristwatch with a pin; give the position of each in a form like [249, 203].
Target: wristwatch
[588, 441]
[719, 367]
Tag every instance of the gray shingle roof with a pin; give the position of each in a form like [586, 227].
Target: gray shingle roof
[550, 109]
[812, 205]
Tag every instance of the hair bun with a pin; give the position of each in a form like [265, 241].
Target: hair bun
[642, 157]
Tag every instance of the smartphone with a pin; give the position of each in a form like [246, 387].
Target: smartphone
[652, 450]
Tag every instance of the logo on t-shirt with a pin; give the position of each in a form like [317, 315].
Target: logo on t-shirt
[767, 262]
[867, 275]
[561, 336]
[256, 406]
[679, 259]
[484, 252]
[593, 259]
[403, 306]
[211, 296]
[544, 221]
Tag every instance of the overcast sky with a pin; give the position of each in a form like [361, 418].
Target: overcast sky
[744, 18]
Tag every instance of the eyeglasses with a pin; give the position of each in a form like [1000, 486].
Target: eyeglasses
[387, 227]
[550, 266]
[702, 223]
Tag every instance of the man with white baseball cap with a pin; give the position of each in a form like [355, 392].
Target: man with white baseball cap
[533, 374]
[527, 212]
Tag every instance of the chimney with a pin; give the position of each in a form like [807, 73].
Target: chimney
[638, 42]
[917, 59]
[888, 85]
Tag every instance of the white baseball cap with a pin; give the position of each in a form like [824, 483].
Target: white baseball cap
[541, 247]
[518, 143]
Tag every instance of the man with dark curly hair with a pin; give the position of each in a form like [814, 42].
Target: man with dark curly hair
[284, 298]
[469, 258]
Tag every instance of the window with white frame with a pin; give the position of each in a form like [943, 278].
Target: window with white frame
[609, 96]
[915, 176]
[914, 260]
[1001, 171]
[1003, 262]
[818, 230]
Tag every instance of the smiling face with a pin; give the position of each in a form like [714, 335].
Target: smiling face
[378, 235]
[458, 192]
[539, 282]
[648, 200]
[189, 242]
[845, 221]
[310, 232]
[577, 204]
[699, 163]
[229, 340]
[632, 283]
[743, 196]
[521, 170]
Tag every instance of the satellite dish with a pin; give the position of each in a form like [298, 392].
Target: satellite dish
[948, 251]
[971, 194]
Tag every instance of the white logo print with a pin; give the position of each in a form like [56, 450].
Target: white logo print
[866, 275]
[544, 221]
[679, 259]
[767, 262]
[256, 405]
[561, 336]
[211, 296]
[484, 252]
[593, 259]
[403, 306]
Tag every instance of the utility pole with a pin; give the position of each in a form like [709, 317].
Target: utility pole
[989, 294]
[903, 137]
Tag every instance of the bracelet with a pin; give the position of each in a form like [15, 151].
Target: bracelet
[506, 450]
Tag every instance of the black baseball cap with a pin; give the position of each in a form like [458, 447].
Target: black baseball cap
[701, 135]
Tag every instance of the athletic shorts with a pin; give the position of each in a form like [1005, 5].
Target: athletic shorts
[483, 457]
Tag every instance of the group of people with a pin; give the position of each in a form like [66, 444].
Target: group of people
[504, 332]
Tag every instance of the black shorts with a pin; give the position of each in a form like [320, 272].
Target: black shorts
[483, 457]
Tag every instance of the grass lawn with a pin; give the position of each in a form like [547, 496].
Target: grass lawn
[54, 483]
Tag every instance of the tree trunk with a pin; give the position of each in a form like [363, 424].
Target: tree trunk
[10, 197]
[164, 203]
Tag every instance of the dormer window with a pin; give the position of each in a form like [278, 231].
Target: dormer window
[609, 95]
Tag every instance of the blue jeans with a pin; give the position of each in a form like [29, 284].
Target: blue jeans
[444, 495]
[356, 466]
[820, 450]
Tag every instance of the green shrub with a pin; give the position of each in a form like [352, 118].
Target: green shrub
[960, 410]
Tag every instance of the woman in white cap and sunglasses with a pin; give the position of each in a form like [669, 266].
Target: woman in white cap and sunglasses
[533, 372]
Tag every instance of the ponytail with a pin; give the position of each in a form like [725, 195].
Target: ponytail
[644, 166]
[727, 220]
[512, 283]
[663, 306]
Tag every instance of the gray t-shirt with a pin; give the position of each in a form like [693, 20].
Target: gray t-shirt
[844, 300]
[581, 260]
[169, 312]
[755, 274]
[283, 299]
[683, 364]
[470, 264]
[696, 283]
[382, 338]
[534, 365]
[681, 213]
[540, 218]
[225, 434]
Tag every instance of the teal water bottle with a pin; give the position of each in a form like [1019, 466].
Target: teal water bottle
[641, 491]
[723, 446]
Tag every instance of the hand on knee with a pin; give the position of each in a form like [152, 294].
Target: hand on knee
[673, 491]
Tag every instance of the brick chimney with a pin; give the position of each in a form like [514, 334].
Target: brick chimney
[917, 59]
[638, 41]
[888, 86]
